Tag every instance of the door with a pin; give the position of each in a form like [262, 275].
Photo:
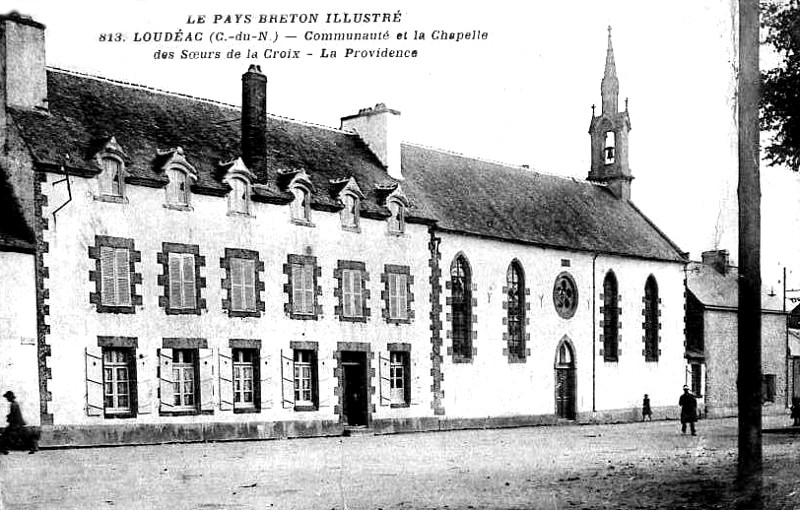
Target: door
[796, 377]
[565, 382]
[354, 388]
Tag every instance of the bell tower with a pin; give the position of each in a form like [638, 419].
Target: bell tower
[609, 134]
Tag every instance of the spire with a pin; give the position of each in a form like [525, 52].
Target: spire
[609, 87]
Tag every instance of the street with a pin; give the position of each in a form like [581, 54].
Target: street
[639, 465]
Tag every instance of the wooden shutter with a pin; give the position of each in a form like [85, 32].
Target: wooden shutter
[237, 284]
[297, 288]
[165, 385]
[347, 293]
[265, 376]
[225, 379]
[175, 296]
[144, 384]
[308, 287]
[206, 373]
[249, 285]
[94, 381]
[189, 295]
[107, 289]
[287, 379]
[123, 275]
[402, 296]
[357, 293]
[384, 373]
[323, 372]
[416, 381]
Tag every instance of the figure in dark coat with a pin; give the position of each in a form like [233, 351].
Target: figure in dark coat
[16, 436]
[688, 405]
[646, 412]
[796, 411]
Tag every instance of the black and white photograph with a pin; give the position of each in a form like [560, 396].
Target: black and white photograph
[399, 255]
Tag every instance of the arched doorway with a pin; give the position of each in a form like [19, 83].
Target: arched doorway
[565, 380]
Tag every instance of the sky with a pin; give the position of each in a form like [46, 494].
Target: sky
[521, 95]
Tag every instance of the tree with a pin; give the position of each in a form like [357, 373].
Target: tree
[780, 92]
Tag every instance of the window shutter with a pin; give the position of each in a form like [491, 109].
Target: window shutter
[347, 293]
[402, 296]
[123, 275]
[322, 382]
[107, 290]
[265, 376]
[144, 384]
[287, 379]
[175, 296]
[297, 288]
[94, 381]
[206, 366]
[308, 287]
[416, 382]
[357, 293]
[237, 284]
[249, 285]
[189, 296]
[386, 383]
[225, 379]
[165, 387]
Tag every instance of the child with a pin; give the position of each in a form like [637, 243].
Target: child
[646, 412]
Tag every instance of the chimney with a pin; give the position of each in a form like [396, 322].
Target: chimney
[718, 259]
[379, 127]
[254, 117]
[23, 79]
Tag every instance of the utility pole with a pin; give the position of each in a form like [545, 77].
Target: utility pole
[749, 322]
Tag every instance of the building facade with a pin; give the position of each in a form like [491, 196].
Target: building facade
[206, 272]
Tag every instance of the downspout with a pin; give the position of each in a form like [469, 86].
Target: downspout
[594, 334]
[786, 329]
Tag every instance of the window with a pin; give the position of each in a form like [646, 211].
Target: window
[182, 290]
[398, 296]
[301, 205]
[697, 379]
[239, 196]
[243, 285]
[302, 290]
[184, 380]
[610, 313]
[651, 323]
[111, 177]
[350, 213]
[397, 221]
[352, 293]
[515, 312]
[115, 275]
[565, 295]
[178, 187]
[461, 308]
[399, 378]
[610, 147]
[768, 388]
[244, 379]
[117, 382]
[304, 379]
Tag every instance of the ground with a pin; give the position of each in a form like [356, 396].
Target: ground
[625, 466]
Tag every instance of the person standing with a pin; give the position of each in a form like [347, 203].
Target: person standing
[15, 435]
[646, 412]
[688, 404]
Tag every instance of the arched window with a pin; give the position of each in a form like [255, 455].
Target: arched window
[610, 318]
[397, 221]
[461, 308]
[301, 205]
[178, 187]
[515, 312]
[651, 320]
[350, 212]
[239, 196]
[111, 178]
[610, 147]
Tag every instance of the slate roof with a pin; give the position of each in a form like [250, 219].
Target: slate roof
[713, 289]
[460, 193]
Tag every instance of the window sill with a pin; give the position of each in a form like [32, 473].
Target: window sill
[302, 223]
[178, 207]
[303, 316]
[461, 359]
[180, 413]
[243, 313]
[356, 229]
[246, 410]
[183, 311]
[353, 319]
[398, 321]
[127, 309]
[238, 214]
[399, 406]
[396, 233]
[305, 409]
[121, 415]
[111, 199]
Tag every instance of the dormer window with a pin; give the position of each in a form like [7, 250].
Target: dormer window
[350, 213]
[610, 147]
[178, 187]
[301, 205]
[111, 177]
[239, 196]
[397, 220]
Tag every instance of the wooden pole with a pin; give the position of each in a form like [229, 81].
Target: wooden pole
[749, 323]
